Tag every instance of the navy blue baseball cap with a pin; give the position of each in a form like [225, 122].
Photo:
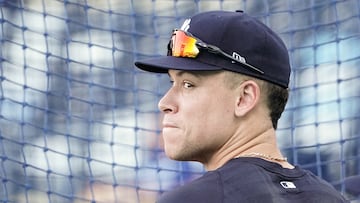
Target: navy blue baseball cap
[250, 43]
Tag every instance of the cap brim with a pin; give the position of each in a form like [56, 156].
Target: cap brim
[164, 63]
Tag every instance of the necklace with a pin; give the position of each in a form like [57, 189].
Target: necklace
[264, 156]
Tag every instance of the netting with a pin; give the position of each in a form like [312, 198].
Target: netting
[78, 123]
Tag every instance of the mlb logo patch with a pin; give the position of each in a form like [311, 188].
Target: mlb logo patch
[287, 185]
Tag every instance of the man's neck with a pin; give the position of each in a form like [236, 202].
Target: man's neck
[261, 142]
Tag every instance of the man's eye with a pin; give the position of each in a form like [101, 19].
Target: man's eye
[187, 85]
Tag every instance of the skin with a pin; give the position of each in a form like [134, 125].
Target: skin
[206, 121]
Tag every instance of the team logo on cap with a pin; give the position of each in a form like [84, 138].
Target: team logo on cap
[186, 25]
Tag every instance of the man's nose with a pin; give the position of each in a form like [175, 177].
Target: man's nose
[167, 103]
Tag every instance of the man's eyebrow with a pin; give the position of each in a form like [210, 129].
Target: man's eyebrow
[183, 72]
[197, 74]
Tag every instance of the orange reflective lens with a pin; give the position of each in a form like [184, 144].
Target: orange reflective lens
[182, 44]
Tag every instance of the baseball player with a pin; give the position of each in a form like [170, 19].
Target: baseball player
[230, 76]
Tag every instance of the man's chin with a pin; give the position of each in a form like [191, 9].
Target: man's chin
[179, 156]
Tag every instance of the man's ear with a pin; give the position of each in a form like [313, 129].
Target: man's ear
[248, 97]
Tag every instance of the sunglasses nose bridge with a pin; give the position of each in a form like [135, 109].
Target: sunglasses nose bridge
[170, 48]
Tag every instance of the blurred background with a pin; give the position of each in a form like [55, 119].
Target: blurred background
[79, 123]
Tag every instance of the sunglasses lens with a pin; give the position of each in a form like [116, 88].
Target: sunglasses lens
[182, 45]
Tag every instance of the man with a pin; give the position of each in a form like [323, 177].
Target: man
[230, 76]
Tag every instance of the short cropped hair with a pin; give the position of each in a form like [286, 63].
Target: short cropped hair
[275, 96]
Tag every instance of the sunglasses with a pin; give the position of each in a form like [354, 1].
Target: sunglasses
[184, 44]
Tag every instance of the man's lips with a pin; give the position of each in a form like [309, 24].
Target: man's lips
[169, 125]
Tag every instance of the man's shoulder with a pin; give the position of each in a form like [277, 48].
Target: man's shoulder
[207, 188]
